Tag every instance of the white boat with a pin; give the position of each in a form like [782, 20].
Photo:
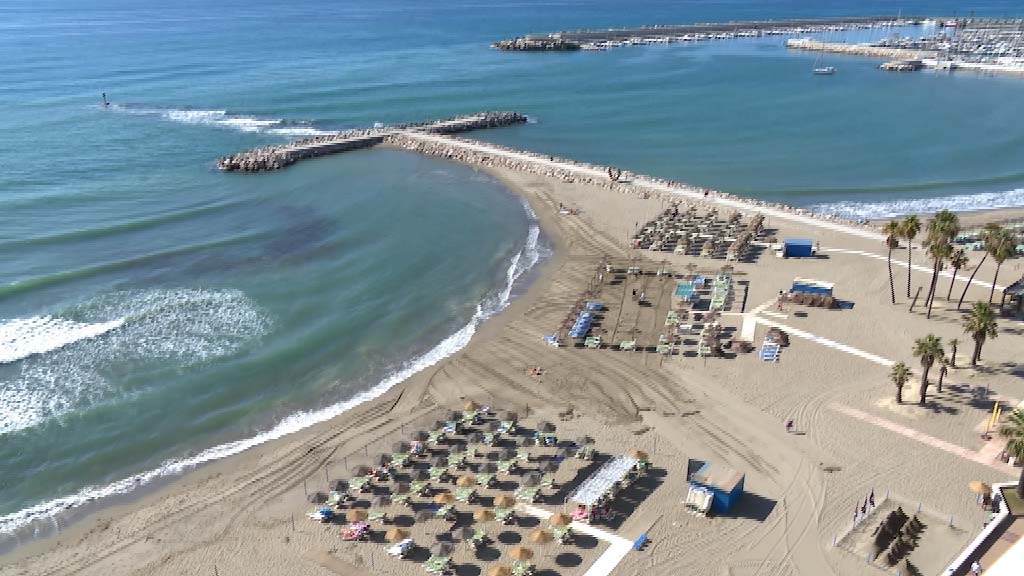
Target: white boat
[825, 71]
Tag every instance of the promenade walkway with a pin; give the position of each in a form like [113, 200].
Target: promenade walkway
[606, 563]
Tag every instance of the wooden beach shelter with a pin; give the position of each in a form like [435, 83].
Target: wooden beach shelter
[979, 487]
[540, 536]
[357, 515]
[444, 498]
[470, 406]
[466, 481]
[499, 571]
[483, 515]
[396, 535]
[504, 501]
[520, 553]
[559, 519]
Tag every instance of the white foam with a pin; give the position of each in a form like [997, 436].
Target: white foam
[226, 120]
[520, 263]
[23, 337]
[892, 208]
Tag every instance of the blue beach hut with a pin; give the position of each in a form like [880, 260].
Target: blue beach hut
[724, 484]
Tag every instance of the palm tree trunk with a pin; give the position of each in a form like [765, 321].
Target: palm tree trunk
[951, 282]
[942, 374]
[892, 287]
[977, 351]
[924, 385]
[909, 270]
[995, 278]
[1020, 485]
[952, 358]
[969, 280]
[931, 289]
[899, 394]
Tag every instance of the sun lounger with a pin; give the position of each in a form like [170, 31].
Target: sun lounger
[562, 534]
[419, 487]
[457, 461]
[447, 512]
[547, 481]
[504, 515]
[438, 565]
[360, 484]
[377, 516]
[506, 466]
[528, 495]
[438, 474]
[400, 499]
[435, 436]
[478, 539]
[522, 568]
[593, 342]
[485, 480]
[627, 345]
[585, 453]
[467, 495]
[402, 549]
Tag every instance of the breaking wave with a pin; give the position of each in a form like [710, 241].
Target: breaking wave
[892, 208]
[226, 120]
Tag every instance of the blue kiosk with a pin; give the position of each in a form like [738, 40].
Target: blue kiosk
[724, 485]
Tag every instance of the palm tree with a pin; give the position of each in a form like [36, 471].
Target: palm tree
[942, 229]
[953, 343]
[990, 231]
[909, 228]
[1002, 248]
[892, 231]
[928, 350]
[900, 374]
[943, 370]
[958, 260]
[981, 325]
[1014, 432]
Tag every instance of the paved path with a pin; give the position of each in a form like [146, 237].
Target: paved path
[979, 457]
[917, 267]
[607, 562]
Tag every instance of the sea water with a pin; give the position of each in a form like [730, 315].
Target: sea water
[156, 314]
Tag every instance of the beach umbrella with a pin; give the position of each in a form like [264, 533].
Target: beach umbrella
[420, 436]
[979, 487]
[396, 534]
[520, 553]
[488, 468]
[402, 488]
[560, 519]
[421, 475]
[400, 447]
[638, 454]
[540, 536]
[317, 498]
[424, 515]
[439, 462]
[584, 441]
[441, 548]
[340, 486]
[483, 515]
[458, 448]
[465, 481]
[470, 406]
[361, 470]
[444, 498]
[531, 479]
[549, 466]
[382, 460]
[356, 515]
[504, 501]
[508, 415]
[546, 427]
[499, 571]
[380, 502]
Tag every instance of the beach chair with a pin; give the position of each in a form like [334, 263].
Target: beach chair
[627, 345]
[360, 484]
[358, 531]
[593, 342]
[401, 500]
[507, 467]
[466, 495]
[438, 565]
[505, 515]
[522, 568]
[402, 549]
[478, 539]
[485, 480]
[419, 488]
[377, 516]
[400, 459]
[447, 512]
[529, 495]
[562, 534]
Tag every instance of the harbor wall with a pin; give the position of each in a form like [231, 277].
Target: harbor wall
[860, 50]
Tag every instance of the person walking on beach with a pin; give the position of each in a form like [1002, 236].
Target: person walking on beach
[789, 426]
[871, 498]
[975, 568]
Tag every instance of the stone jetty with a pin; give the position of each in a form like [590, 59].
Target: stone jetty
[267, 158]
[615, 37]
[860, 49]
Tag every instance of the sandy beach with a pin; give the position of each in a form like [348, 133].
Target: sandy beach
[247, 514]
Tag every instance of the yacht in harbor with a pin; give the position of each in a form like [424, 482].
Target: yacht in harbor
[824, 70]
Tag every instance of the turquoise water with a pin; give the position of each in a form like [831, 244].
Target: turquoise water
[155, 313]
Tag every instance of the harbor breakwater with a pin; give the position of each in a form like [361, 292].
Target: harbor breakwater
[268, 158]
[860, 49]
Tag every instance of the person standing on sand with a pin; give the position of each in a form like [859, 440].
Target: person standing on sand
[975, 568]
[789, 426]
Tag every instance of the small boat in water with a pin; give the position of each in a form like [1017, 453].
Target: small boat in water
[825, 71]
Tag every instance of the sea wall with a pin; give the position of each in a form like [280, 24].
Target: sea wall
[859, 49]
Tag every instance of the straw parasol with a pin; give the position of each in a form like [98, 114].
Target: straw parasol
[638, 454]
[559, 519]
[483, 515]
[504, 501]
[470, 406]
[499, 571]
[444, 498]
[466, 481]
[396, 534]
[979, 487]
[521, 553]
[357, 515]
[540, 536]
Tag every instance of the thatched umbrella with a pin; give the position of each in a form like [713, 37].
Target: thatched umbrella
[361, 470]
[499, 571]
[979, 487]
[441, 548]
[317, 498]
[380, 502]
[470, 406]
[504, 501]
[424, 515]
[396, 534]
[400, 447]
[483, 515]
[531, 479]
[444, 498]
[402, 488]
[520, 553]
[488, 468]
[546, 427]
[559, 519]
[420, 436]
[638, 454]
[540, 536]
[420, 475]
[466, 481]
[356, 515]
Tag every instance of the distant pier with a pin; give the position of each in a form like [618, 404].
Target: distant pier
[615, 37]
[268, 158]
[860, 49]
